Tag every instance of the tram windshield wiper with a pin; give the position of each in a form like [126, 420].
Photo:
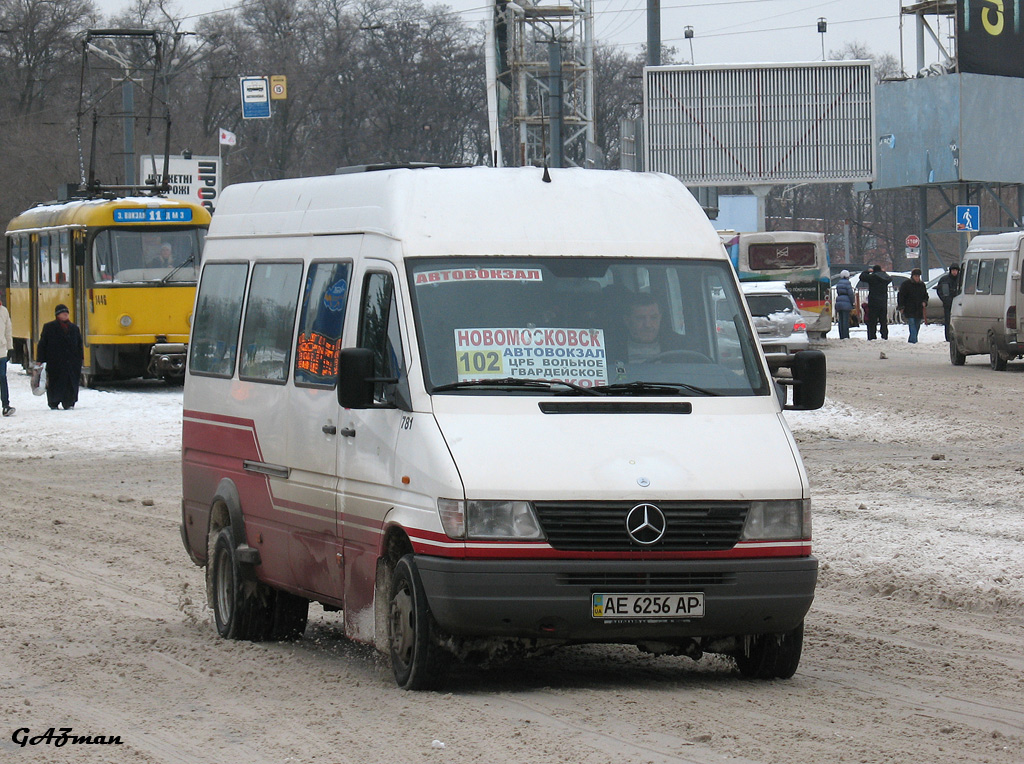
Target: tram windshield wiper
[550, 385]
[651, 388]
[187, 261]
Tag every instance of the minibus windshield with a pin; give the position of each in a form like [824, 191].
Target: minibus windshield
[590, 325]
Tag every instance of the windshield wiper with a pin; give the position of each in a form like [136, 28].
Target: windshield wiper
[188, 261]
[546, 384]
[650, 388]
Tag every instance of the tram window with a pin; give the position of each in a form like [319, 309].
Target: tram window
[63, 275]
[217, 318]
[19, 260]
[320, 323]
[136, 256]
[44, 258]
[269, 320]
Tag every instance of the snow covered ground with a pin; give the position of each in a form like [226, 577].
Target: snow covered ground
[127, 418]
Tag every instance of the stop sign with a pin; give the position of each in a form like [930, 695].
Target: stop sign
[913, 241]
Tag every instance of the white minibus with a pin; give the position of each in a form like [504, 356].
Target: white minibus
[480, 408]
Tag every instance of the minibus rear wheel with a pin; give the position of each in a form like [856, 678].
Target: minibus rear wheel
[955, 356]
[771, 656]
[417, 661]
[995, 358]
[240, 605]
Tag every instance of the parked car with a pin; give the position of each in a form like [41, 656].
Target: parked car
[781, 327]
[934, 310]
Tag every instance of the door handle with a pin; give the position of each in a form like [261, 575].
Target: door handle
[329, 429]
[348, 432]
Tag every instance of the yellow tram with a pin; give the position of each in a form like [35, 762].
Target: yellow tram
[126, 268]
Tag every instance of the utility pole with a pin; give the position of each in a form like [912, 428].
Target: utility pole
[128, 108]
[654, 32]
[555, 101]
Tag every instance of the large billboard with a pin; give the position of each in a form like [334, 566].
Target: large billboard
[757, 124]
[197, 179]
[989, 37]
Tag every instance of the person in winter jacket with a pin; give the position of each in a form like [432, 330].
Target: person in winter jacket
[60, 348]
[877, 282]
[948, 288]
[912, 300]
[844, 304]
[6, 345]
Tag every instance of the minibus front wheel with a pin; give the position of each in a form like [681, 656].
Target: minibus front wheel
[417, 661]
[770, 656]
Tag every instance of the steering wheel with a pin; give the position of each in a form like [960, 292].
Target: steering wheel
[673, 356]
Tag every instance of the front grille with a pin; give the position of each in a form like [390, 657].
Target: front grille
[646, 581]
[595, 526]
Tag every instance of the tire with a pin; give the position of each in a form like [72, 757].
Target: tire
[417, 661]
[770, 656]
[955, 356]
[242, 606]
[995, 360]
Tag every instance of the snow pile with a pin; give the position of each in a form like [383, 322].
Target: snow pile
[131, 418]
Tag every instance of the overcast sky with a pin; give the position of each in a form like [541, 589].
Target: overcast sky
[725, 31]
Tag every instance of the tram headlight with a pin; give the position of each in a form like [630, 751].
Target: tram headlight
[125, 320]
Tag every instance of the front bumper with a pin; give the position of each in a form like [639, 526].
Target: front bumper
[551, 599]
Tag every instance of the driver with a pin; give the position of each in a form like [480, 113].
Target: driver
[164, 258]
[643, 324]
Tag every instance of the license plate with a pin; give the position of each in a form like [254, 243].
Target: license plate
[644, 606]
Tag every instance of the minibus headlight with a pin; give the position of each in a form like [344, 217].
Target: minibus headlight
[453, 517]
[501, 520]
[774, 520]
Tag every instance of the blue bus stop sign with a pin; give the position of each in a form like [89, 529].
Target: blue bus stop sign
[255, 97]
[968, 217]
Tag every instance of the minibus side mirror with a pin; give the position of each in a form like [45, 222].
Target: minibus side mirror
[808, 368]
[355, 378]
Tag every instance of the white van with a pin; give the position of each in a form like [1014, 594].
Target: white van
[478, 409]
[984, 317]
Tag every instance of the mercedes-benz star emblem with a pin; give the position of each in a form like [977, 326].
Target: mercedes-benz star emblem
[645, 524]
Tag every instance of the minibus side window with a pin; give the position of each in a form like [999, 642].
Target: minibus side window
[971, 279]
[269, 320]
[984, 277]
[217, 318]
[380, 332]
[321, 319]
[999, 276]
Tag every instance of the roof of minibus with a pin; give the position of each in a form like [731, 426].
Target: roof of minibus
[996, 242]
[480, 210]
[98, 212]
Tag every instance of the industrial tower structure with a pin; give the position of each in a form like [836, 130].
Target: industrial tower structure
[540, 83]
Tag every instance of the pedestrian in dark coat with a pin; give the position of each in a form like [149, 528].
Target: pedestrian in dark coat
[60, 348]
[912, 302]
[948, 288]
[844, 304]
[877, 282]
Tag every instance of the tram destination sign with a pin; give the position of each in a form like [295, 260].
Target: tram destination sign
[153, 215]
